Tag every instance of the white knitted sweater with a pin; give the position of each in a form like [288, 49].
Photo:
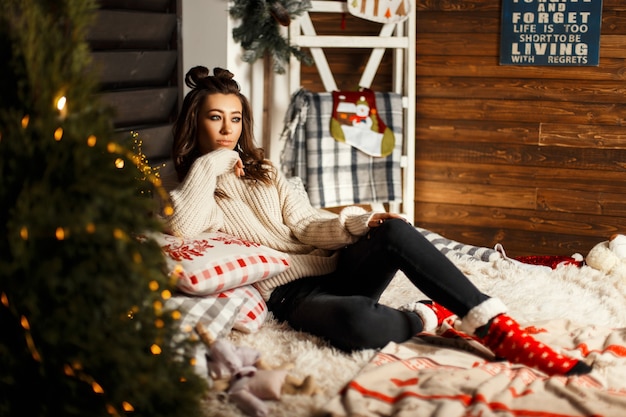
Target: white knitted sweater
[274, 215]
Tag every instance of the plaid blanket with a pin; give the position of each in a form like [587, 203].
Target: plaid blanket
[335, 173]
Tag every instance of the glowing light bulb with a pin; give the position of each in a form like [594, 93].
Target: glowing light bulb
[137, 258]
[91, 141]
[58, 134]
[155, 349]
[61, 102]
[24, 233]
[25, 121]
[127, 406]
[119, 163]
[60, 233]
[68, 370]
[96, 388]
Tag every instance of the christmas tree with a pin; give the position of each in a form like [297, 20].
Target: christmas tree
[84, 332]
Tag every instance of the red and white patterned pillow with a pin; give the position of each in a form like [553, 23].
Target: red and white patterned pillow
[253, 311]
[214, 262]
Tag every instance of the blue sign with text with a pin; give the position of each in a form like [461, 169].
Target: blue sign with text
[550, 32]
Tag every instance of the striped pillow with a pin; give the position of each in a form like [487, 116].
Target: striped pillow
[452, 247]
[217, 314]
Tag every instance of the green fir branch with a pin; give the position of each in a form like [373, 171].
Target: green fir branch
[259, 32]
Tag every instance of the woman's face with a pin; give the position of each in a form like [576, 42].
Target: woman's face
[219, 122]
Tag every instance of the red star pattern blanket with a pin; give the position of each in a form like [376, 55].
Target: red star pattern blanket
[449, 375]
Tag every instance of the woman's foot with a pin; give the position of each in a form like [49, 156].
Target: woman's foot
[506, 339]
[490, 325]
[431, 313]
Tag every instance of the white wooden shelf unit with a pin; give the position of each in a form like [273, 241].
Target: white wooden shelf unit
[400, 37]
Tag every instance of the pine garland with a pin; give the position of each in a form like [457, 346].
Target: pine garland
[259, 31]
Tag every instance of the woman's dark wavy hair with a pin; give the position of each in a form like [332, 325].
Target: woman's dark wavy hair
[185, 147]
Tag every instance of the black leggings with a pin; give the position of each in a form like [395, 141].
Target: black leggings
[343, 307]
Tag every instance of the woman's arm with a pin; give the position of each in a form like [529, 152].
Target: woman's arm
[318, 227]
[195, 208]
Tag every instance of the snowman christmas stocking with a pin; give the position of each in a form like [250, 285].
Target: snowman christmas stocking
[355, 121]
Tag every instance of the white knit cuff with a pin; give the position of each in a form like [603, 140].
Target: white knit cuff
[354, 219]
[481, 314]
[427, 315]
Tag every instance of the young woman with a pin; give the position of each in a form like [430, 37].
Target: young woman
[340, 263]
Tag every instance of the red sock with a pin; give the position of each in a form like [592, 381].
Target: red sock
[440, 311]
[431, 313]
[508, 340]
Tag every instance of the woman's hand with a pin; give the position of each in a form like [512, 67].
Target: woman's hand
[239, 171]
[379, 218]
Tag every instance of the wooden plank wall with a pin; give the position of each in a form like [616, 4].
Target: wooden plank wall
[530, 157]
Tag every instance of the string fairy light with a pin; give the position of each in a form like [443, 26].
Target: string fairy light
[150, 173]
[176, 314]
[61, 106]
[58, 134]
[119, 233]
[61, 102]
[60, 233]
[113, 147]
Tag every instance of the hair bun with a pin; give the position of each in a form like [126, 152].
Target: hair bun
[194, 75]
[223, 73]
